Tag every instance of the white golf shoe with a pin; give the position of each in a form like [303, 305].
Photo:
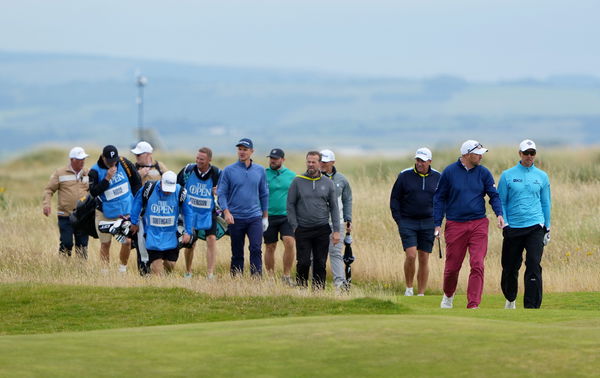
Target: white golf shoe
[409, 292]
[447, 302]
[510, 305]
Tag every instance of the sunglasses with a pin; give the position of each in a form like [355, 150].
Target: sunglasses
[474, 148]
[528, 152]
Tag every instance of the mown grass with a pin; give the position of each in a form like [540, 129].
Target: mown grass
[31, 308]
[36, 308]
[280, 336]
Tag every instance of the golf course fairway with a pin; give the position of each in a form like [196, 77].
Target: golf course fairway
[355, 345]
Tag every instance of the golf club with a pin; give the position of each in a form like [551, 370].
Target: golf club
[437, 236]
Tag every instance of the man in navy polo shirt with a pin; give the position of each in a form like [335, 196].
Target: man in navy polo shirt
[411, 203]
[244, 198]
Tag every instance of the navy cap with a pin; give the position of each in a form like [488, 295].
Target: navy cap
[246, 142]
[110, 153]
[276, 153]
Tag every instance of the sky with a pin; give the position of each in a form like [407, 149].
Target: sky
[477, 40]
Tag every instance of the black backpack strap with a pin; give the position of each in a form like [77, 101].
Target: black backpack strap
[126, 166]
[146, 193]
[216, 174]
[157, 166]
[188, 171]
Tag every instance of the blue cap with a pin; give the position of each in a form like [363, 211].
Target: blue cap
[246, 142]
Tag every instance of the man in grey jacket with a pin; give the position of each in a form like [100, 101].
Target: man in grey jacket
[344, 201]
[311, 202]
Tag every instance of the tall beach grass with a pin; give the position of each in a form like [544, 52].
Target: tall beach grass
[29, 241]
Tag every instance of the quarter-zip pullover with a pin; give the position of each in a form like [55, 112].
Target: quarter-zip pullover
[525, 195]
[243, 190]
[412, 194]
[460, 194]
[344, 194]
[311, 201]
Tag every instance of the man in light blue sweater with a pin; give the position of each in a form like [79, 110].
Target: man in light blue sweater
[244, 197]
[525, 194]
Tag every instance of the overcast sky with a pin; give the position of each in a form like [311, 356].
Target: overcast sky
[478, 40]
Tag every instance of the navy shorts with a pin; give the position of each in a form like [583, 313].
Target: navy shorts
[278, 225]
[169, 255]
[417, 233]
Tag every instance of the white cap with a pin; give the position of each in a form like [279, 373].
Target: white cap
[423, 153]
[472, 147]
[527, 144]
[77, 153]
[168, 182]
[327, 156]
[142, 147]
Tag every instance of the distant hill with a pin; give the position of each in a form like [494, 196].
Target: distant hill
[71, 99]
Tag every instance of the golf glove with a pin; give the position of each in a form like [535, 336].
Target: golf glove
[265, 223]
[547, 237]
[348, 239]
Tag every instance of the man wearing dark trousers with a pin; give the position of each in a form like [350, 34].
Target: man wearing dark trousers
[71, 182]
[244, 197]
[525, 194]
[311, 201]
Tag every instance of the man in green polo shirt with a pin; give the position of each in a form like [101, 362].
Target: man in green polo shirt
[279, 179]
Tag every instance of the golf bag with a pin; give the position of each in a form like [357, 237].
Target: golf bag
[120, 229]
[348, 258]
[83, 218]
[181, 231]
[221, 227]
[138, 241]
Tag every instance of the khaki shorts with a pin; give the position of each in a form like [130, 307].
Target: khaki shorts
[103, 237]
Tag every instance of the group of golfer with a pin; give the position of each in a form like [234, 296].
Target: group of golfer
[169, 211]
[308, 211]
[422, 197]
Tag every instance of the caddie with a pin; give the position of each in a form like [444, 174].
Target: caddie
[157, 206]
[114, 181]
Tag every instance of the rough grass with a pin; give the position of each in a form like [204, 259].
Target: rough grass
[28, 240]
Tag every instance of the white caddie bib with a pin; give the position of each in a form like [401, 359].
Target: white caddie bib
[162, 221]
[201, 203]
[117, 191]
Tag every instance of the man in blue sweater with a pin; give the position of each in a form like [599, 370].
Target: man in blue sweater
[525, 194]
[411, 203]
[244, 198]
[460, 197]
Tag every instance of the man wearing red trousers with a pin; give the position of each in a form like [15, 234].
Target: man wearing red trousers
[460, 198]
